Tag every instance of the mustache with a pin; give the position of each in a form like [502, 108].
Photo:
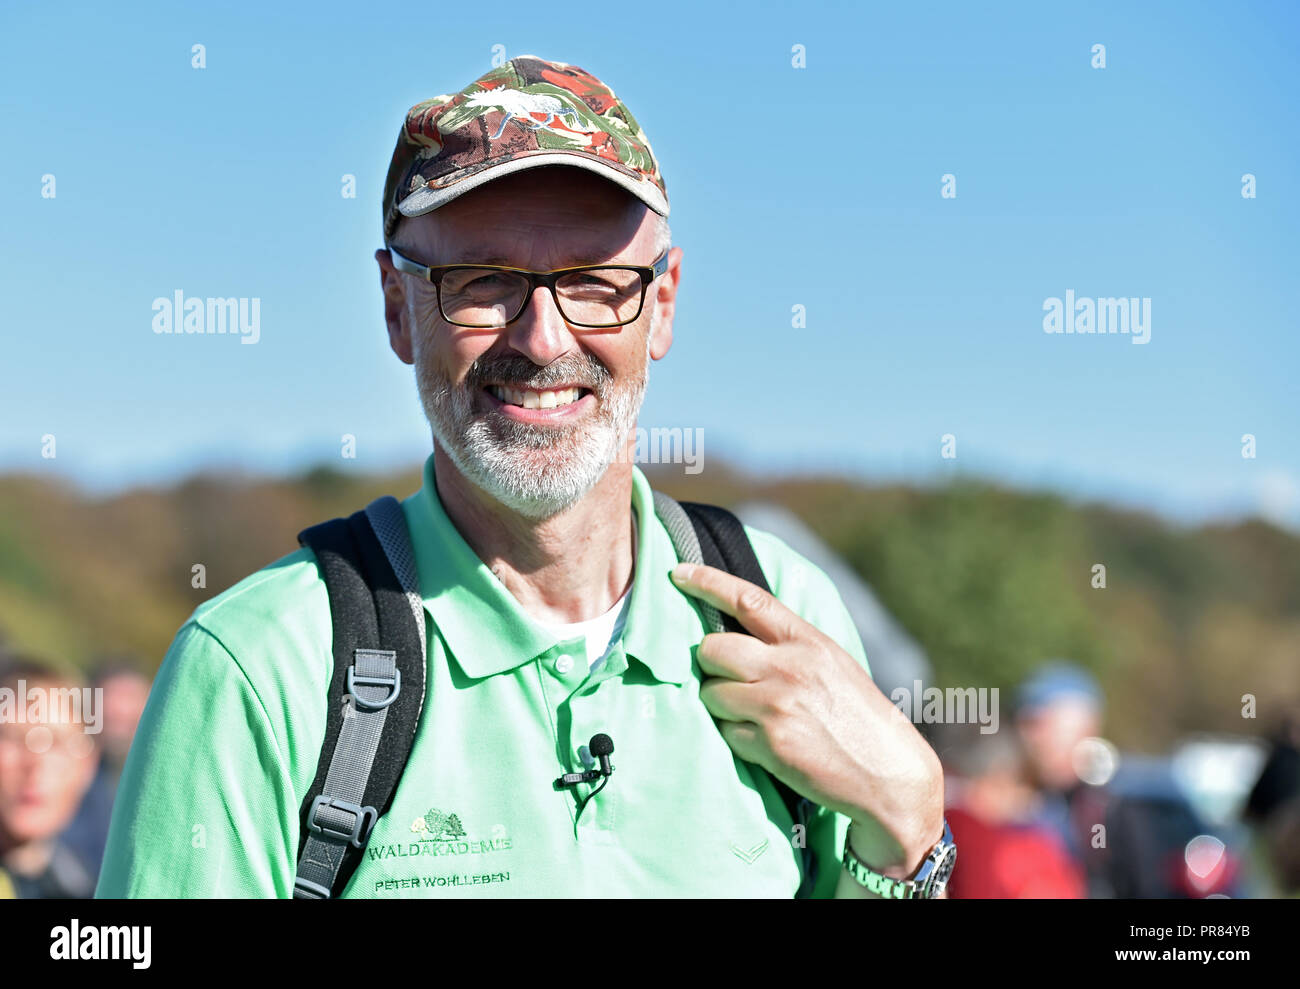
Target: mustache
[517, 371]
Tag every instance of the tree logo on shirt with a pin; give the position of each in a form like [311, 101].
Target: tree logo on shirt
[438, 826]
[441, 833]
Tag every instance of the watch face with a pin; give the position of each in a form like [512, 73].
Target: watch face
[943, 870]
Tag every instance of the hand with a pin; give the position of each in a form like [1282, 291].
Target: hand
[789, 699]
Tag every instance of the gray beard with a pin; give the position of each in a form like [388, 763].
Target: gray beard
[537, 471]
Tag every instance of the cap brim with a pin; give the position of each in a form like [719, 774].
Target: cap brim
[428, 199]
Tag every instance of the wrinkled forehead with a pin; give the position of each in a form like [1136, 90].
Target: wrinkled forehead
[541, 218]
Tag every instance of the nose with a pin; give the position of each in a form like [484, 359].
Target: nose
[540, 333]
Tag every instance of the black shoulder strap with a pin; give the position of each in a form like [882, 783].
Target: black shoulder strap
[375, 698]
[377, 690]
[725, 545]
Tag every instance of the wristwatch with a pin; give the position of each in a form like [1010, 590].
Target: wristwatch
[930, 878]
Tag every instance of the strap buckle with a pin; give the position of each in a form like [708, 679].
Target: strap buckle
[305, 889]
[361, 827]
[393, 683]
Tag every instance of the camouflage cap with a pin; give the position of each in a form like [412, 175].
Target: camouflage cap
[525, 114]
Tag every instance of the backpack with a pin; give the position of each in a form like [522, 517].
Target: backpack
[377, 691]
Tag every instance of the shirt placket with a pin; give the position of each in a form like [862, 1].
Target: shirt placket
[584, 706]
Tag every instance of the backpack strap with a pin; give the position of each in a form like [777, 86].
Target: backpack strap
[714, 537]
[375, 695]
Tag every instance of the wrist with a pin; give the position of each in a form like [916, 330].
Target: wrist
[886, 854]
[899, 875]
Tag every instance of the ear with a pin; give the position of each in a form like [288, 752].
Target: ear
[665, 300]
[399, 331]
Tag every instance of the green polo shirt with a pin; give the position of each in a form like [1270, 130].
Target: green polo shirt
[208, 804]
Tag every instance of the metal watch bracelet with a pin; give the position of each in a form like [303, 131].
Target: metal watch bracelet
[930, 879]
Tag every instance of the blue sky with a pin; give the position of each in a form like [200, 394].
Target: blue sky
[817, 186]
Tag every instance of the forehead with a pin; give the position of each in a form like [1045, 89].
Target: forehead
[55, 702]
[543, 217]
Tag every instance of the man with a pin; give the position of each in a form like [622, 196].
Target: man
[545, 577]
[990, 802]
[47, 760]
[1058, 707]
[122, 691]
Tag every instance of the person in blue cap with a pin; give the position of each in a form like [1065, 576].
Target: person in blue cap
[1059, 706]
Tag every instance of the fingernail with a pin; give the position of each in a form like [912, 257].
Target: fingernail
[682, 571]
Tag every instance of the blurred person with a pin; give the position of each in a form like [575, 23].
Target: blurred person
[1273, 812]
[126, 690]
[1129, 826]
[990, 808]
[45, 770]
[1058, 707]
[123, 693]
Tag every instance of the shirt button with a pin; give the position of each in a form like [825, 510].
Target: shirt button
[563, 664]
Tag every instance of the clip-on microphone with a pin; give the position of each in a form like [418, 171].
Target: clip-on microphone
[602, 747]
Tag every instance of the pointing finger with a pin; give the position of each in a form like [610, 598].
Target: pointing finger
[757, 610]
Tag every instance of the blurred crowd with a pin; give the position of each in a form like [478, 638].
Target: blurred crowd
[1043, 808]
[57, 780]
[1051, 809]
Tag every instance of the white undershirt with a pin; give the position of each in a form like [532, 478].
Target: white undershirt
[604, 630]
[600, 632]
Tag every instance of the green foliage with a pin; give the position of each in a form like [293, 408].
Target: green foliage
[990, 581]
[985, 580]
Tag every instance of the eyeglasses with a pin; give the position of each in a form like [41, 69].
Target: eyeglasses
[490, 296]
[43, 740]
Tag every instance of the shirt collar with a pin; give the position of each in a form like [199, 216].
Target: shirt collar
[663, 624]
[488, 632]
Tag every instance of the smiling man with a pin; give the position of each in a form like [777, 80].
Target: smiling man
[528, 278]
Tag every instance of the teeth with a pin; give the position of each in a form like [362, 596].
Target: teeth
[529, 399]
